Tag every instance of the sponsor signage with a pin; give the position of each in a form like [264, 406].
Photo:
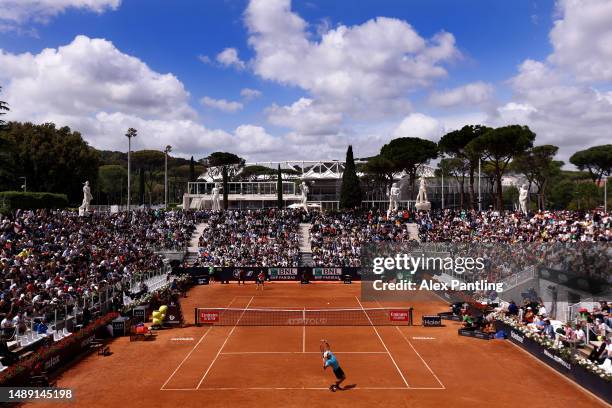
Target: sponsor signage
[399, 315]
[476, 334]
[580, 375]
[432, 321]
[283, 273]
[514, 335]
[208, 316]
[327, 273]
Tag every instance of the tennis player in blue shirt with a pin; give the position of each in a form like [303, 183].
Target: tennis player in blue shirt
[330, 360]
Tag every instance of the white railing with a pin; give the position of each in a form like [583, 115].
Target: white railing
[519, 278]
[153, 282]
[572, 310]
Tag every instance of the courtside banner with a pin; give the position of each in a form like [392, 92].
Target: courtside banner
[283, 274]
[328, 273]
[398, 315]
[208, 316]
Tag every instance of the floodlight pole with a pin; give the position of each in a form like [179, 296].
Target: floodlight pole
[131, 132]
[167, 150]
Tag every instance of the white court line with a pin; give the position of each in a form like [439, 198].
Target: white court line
[300, 352]
[424, 362]
[384, 345]
[191, 351]
[225, 342]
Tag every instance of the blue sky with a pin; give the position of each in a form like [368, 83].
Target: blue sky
[487, 68]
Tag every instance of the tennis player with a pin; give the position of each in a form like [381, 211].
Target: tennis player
[260, 280]
[329, 360]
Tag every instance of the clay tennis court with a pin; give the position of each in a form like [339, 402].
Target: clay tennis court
[281, 366]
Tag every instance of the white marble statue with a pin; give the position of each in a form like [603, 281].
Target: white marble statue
[87, 197]
[422, 203]
[394, 195]
[216, 205]
[523, 196]
[304, 202]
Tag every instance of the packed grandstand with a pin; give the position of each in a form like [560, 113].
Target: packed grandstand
[54, 258]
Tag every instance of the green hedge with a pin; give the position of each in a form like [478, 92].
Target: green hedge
[13, 200]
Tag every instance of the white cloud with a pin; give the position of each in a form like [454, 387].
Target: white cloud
[420, 125]
[96, 89]
[229, 58]
[306, 116]
[561, 111]
[250, 94]
[363, 68]
[88, 76]
[582, 39]
[475, 93]
[20, 11]
[221, 104]
[205, 59]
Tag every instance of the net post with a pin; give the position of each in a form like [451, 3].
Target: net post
[196, 317]
[410, 321]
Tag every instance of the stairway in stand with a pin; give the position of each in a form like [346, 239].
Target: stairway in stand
[305, 250]
[192, 250]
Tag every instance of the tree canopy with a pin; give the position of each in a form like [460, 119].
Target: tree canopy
[53, 160]
[408, 154]
[454, 144]
[597, 160]
[499, 146]
[539, 167]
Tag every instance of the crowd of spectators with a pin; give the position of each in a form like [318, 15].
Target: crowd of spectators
[336, 238]
[513, 227]
[251, 238]
[594, 326]
[53, 260]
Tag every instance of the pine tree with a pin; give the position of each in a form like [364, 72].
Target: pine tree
[350, 194]
[192, 176]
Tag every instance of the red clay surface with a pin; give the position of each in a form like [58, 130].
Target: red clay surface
[281, 366]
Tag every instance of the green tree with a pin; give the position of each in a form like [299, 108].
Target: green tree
[152, 163]
[53, 160]
[350, 192]
[253, 173]
[378, 174]
[458, 168]
[500, 146]
[230, 165]
[454, 144]
[539, 168]
[597, 160]
[586, 196]
[111, 179]
[561, 194]
[409, 154]
[192, 175]
[279, 188]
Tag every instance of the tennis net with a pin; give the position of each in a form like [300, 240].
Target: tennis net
[303, 317]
